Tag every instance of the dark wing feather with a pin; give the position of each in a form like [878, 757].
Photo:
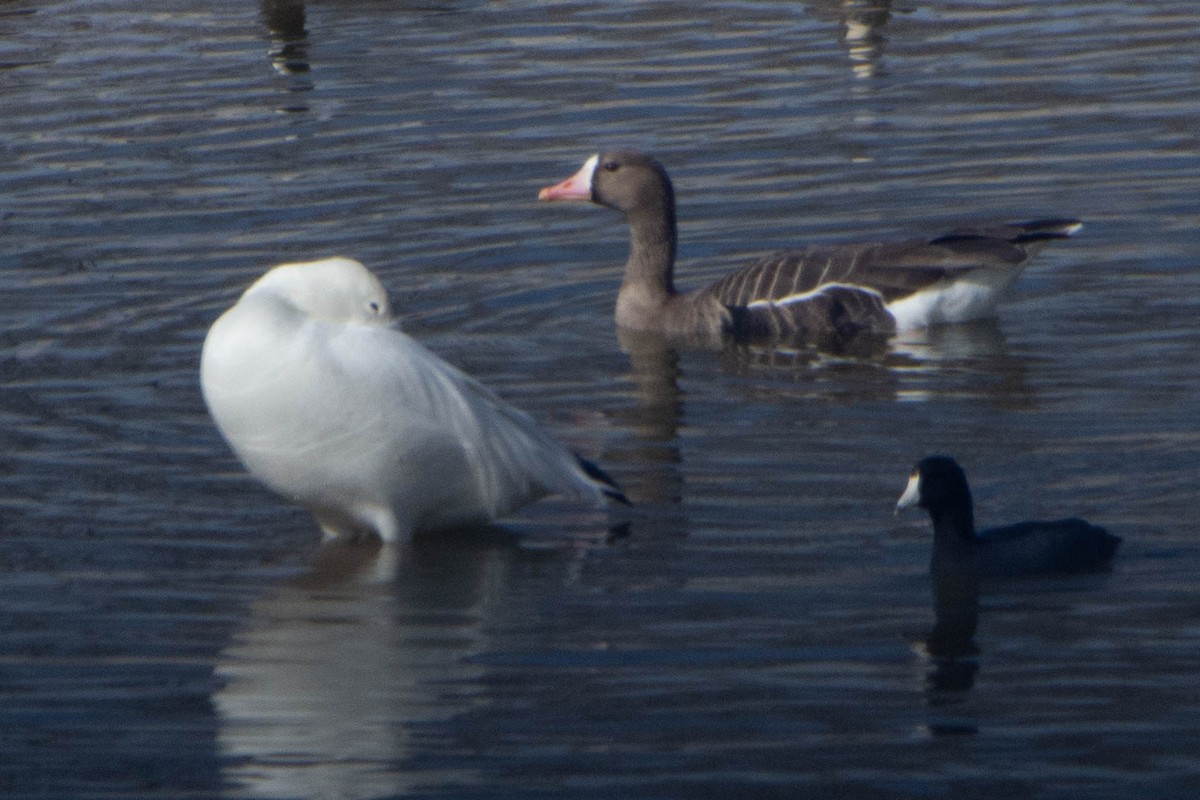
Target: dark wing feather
[1065, 545]
[1038, 230]
[893, 270]
[834, 316]
[841, 291]
[606, 484]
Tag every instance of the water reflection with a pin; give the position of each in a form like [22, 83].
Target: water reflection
[863, 23]
[323, 690]
[654, 422]
[951, 644]
[799, 372]
[969, 359]
[285, 20]
[964, 340]
[974, 354]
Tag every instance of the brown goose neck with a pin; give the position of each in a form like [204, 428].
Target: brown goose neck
[652, 246]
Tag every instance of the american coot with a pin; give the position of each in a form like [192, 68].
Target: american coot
[832, 292]
[939, 485]
[330, 405]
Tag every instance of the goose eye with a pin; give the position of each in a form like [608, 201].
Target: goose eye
[610, 166]
[375, 308]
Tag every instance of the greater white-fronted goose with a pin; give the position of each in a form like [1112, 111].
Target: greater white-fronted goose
[331, 406]
[817, 293]
[939, 485]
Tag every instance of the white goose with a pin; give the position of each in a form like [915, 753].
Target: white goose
[329, 404]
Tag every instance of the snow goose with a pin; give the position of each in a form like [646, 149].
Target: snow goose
[329, 404]
[819, 293]
[939, 485]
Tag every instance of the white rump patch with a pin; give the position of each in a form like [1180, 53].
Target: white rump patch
[809, 295]
[965, 299]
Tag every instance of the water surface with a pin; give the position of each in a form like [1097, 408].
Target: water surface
[168, 628]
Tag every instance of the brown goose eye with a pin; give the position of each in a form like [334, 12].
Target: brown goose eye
[610, 166]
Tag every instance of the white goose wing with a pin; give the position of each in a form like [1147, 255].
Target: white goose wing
[511, 458]
[330, 405]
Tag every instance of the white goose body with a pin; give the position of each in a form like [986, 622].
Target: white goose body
[331, 406]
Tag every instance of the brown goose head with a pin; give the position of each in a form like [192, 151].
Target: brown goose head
[626, 180]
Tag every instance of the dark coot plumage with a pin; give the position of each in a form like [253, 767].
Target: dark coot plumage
[939, 485]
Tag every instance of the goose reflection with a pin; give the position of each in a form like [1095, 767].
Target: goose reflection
[976, 354]
[863, 23]
[799, 372]
[965, 340]
[654, 459]
[914, 366]
[323, 689]
[285, 21]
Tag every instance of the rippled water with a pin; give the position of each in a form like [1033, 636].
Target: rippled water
[170, 629]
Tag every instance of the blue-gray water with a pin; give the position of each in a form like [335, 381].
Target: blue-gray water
[170, 629]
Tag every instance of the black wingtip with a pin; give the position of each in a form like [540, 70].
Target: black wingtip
[607, 485]
[1043, 229]
[1034, 230]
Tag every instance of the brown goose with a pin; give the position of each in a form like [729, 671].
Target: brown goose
[817, 293]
